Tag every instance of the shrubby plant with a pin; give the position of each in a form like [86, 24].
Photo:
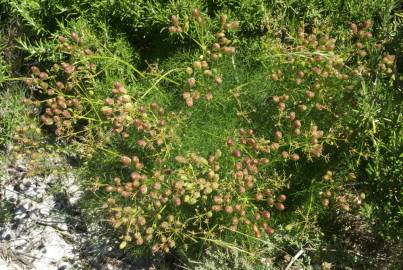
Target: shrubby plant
[221, 143]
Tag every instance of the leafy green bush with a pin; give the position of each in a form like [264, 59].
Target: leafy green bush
[238, 133]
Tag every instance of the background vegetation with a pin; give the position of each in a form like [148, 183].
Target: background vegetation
[265, 132]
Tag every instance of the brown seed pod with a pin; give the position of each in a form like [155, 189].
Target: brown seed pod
[279, 206]
[43, 76]
[192, 82]
[143, 189]
[230, 142]
[362, 53]
[197, 64]
[278, 135]
[274, 146]
[294, 157]
[269, 230]
[259, 196]
[125, 160]
[319, 106]
[88, 52]
[62, 39]
[291, 116]
[29, 82]
[216, 208]
[35, 70]
[215, 56]
[218, 80]
[189, 102]
[125, 194]
[302, 107]
[249, 184]
[276, 99]
[174, 20]
[316, 150]
[229, 209]
[236, 153]
[281, 198]
[209, 96]
[310, 94]
[109, 188]
[281, 106]
[270, 201]
[264, 161]
[74, 36]
[353, 28]
[208, 73]
[266, 215]
[177, 201]
[367, 24]
[195, 13]
[233, 25]
[327, 193]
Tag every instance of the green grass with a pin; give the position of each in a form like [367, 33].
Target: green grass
[12, 111]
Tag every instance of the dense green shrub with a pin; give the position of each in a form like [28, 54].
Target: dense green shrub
[241, 130]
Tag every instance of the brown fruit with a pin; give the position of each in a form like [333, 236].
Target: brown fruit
[174, 20]
[74, 36]
[291, 116]
[236, 153]
[353, 28]
[269, 230]
[233, 25]
[266, 215]
[43, 76]
[189, 102]
[230, 142]
[284, 154]
[367, 24]
[259, 196]
[302, 107]
[195, 13]
[209, 96]
[325, 202]
[229, 209]
[62, 39]
[294, 157]
[278, 135]
[192, 82]
[35, 70]
[125, 160]
[281, 198]
[310, 94]
[279, 206]
[109, 188]
[218, 80]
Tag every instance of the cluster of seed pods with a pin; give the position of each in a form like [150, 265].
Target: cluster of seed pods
[201, 77]
[60, 112]
[198, 191]
[26, 136]
[63, 85]
[126, 115]
[343, 199]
